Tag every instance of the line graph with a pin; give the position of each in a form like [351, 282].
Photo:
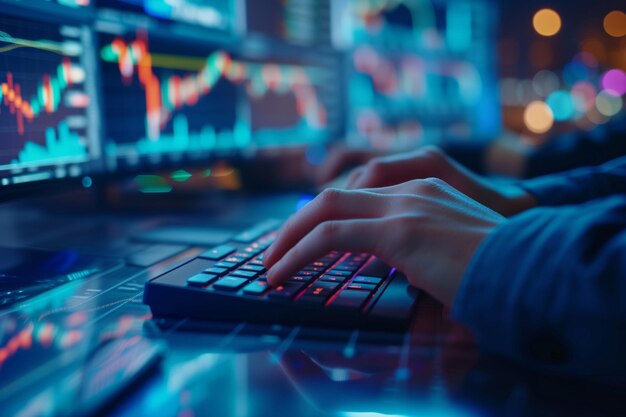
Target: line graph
[43, 99]
[181, 93]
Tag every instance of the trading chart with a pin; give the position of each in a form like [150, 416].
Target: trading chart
[160, 103]
[43, 99]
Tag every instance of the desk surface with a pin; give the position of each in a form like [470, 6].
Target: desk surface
[238, 369]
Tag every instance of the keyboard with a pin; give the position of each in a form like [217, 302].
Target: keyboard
[229, 283]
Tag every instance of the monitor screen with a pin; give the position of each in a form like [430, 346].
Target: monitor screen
[213, 14]
[420, 71]
[116, 84]
[47, 118]
[179, 98]
[302, 22]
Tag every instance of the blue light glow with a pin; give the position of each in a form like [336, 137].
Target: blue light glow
[562, 105]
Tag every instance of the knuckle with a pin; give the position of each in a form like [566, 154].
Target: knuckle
[327, 229]
[432, 151]
[431, 186]
[435, 155]
[329, 196]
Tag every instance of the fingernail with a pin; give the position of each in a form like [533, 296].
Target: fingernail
[271, 276]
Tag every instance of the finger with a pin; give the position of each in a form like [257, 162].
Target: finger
[360, 235]
[383, 172]
[354, 175]
[422, 163]
[333, 166]
[331, 204]
[339, 160]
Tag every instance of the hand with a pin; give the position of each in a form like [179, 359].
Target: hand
[424, 228]
[340, 159]
[431, 162]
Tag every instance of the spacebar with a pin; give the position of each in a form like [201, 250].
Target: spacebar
[397, 300]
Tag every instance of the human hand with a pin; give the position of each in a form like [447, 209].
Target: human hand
[431, 162]
[339, 159]
[424, 228]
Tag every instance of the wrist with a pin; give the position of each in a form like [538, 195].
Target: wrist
[515, 200]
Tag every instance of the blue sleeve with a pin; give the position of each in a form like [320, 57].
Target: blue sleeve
[560, 153]
[548, 287]
[577, 149]
[580, 185]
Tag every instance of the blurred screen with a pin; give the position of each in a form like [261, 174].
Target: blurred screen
[420, 71]
[46, 117]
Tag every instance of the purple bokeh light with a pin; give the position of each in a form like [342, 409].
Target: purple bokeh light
[614, 82]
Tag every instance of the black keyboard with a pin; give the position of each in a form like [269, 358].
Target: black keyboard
[228, 283]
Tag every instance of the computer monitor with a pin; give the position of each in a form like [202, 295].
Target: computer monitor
[47, 115]
[108, 85]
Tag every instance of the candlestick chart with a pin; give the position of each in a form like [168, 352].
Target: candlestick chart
[43, 100]
[160, 103]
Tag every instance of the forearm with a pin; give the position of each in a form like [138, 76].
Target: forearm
[580, 185]
[547, 288]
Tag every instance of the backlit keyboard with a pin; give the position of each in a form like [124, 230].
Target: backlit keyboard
[229, 283]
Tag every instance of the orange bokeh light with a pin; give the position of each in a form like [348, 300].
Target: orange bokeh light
[547, 22]
[615, 23]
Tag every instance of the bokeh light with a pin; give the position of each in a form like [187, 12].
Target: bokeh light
[547, 22]
[584, 96]
[545, 82]
[575, 71]
[608, 104]
[561, 104]
[538, 117]
[614, 82]
[615, 23]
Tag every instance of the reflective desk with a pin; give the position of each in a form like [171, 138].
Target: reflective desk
[91, 347]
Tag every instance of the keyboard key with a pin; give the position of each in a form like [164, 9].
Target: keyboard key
[245, 274]
[340, 273]
[200, 280]
[349, 268]
[318, 293]
[286, 291]
[216, 271]
[256, 268]
[235, 260]
[350, 299]
[314, 269]
[218, 252]
[331, 278]
[364, 279]
[376, 268]
[308, 273]
[256, 288]
[300, 278]
[230, 283]
[225, 265]
[364, 287]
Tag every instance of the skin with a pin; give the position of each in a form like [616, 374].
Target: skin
[428, 228]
